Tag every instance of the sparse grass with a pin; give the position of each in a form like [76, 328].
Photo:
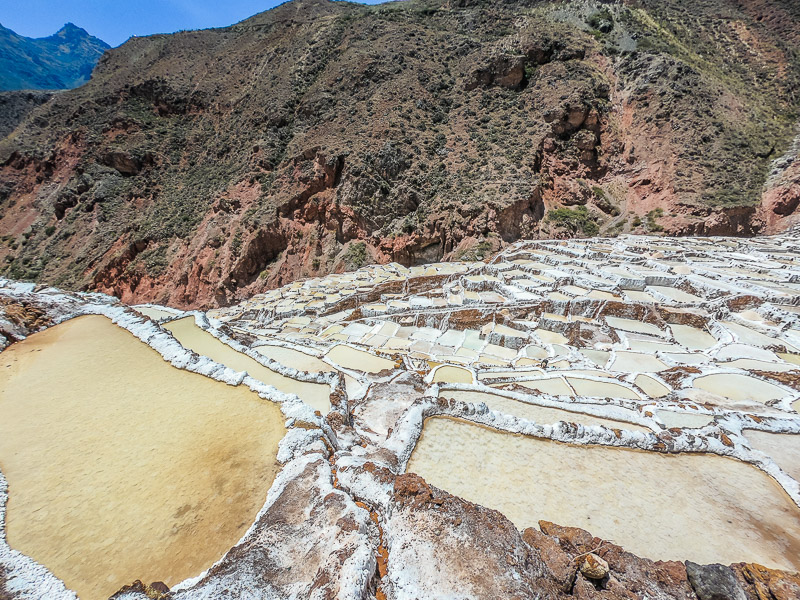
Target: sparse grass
[154, 260]
[236, 243]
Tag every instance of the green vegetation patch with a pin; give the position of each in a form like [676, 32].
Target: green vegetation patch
[652, 224]
[355, 256]
[576, 221]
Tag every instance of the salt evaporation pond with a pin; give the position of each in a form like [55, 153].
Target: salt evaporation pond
[672, 418]
[555, 386]
[739, 387]
[703, 508]
[155, 313]
[636, 362]
[294, 359]
[601, 389]
[651, 387]
[760, 365]
[634, 326]
[692, 337]
[122, 467]
[351, 358]
[543, 415]
[450, 374]
[782, 447]
[186, 331]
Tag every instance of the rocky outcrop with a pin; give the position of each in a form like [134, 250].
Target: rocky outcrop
[760, 583]
[780, 206]
[458, 545]
[15, 106]
[503, 70]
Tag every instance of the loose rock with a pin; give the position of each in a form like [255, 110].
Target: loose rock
[594, 567]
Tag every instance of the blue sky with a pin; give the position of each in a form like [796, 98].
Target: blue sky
[114, 21]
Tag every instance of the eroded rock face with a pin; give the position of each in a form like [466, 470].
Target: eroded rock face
[438, 543]
[628, 576]
[436, 133]
[123, 162]
[502, 70]
[760, 582]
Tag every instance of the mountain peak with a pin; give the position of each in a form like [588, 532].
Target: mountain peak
[71, 27]
[60, 61]
[73, 32]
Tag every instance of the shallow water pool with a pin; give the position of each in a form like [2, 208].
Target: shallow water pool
[784, 448]
[122, 467]
[194, 338]
[543, 415]
[703, 508]
[155, 313]
[672, 418]
[451, 374]
[351, 358]
[294, 358]
[692, 337]
[739, 387]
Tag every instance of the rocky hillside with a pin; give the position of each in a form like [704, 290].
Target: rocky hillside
[61, 61]
[201, 167]
[15, 106]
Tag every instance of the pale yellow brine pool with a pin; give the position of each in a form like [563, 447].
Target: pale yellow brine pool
[703, 508]
[122, 467]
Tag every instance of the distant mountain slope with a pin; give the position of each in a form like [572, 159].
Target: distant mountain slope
[61, 61]
[204, 166]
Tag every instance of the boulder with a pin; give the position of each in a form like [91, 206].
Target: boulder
[714, 582]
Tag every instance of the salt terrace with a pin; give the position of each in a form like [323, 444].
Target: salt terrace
[645, 389]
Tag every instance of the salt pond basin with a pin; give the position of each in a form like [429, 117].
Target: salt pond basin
[694, 507]
[119, 465]
[646, 390]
